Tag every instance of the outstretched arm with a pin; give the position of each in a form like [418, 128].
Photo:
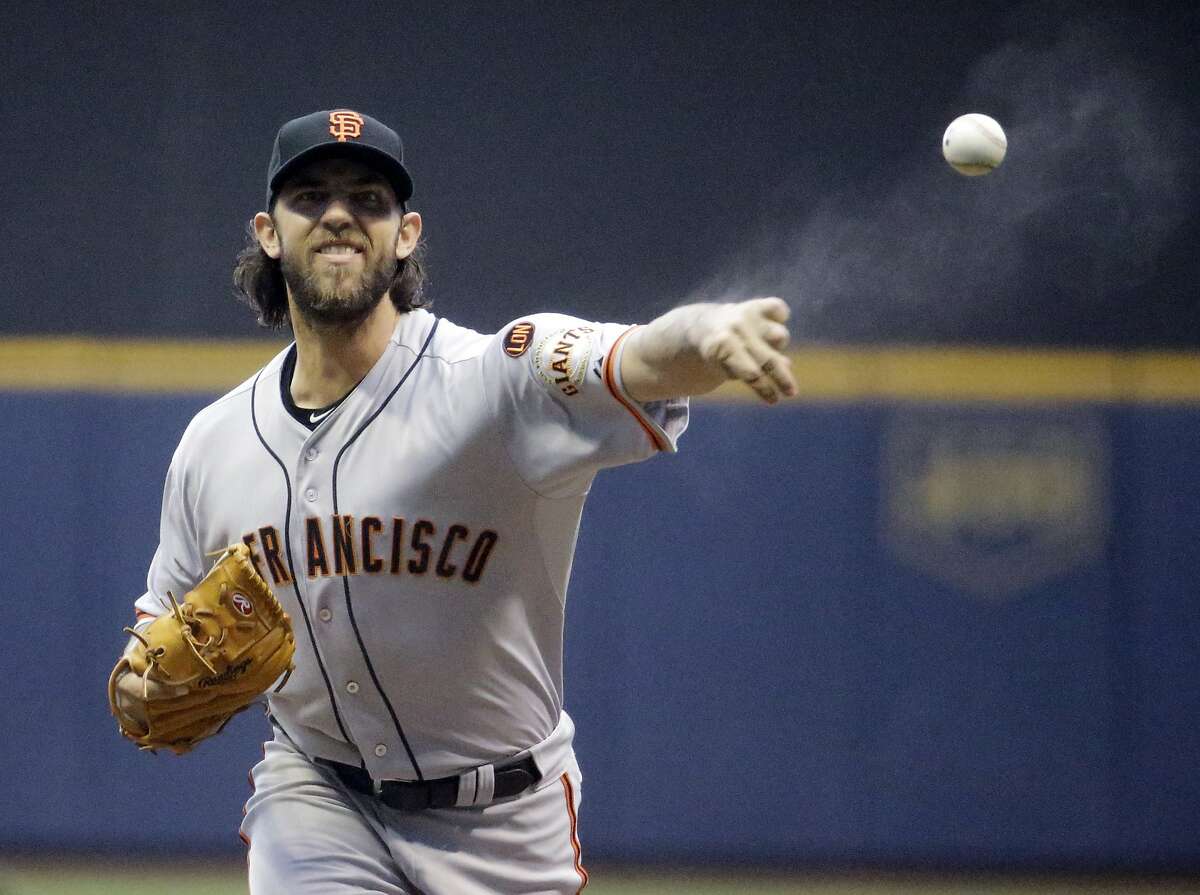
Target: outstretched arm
[694, 348]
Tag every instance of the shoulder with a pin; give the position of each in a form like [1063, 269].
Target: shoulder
[451, 343]
[539, 326]
[519, 336]
[454, 344]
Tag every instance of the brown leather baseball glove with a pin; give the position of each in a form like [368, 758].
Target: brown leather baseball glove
[226, 643]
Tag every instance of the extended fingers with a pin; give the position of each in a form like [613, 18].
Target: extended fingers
[748, 346]
[763, 369]
[766, 335]
[740, 364]
[776, 367]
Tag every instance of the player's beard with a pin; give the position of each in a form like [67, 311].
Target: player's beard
[340, 298]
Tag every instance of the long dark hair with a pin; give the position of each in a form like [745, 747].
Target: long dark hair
[258, 279]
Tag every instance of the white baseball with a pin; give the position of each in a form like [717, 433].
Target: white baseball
[974, 144]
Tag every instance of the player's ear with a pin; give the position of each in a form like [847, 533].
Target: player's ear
[410, 234]
[267, 235]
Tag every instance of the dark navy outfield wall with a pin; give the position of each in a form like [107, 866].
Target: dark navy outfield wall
[899, 634]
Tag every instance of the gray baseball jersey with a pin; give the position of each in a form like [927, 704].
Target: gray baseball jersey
[421, 536]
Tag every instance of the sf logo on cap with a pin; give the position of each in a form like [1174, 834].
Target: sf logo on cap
[343, 123]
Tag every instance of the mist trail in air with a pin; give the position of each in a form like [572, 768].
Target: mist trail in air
[1094, 184]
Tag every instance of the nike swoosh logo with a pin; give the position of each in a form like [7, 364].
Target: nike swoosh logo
[317, 417]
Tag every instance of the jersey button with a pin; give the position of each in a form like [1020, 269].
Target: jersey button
[310, 495]
[325, 615]
[352, 687]
[381, 750]
[311, 454]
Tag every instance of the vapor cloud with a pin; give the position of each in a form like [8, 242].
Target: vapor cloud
[1095, 183]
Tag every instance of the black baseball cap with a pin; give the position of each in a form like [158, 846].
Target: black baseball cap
[338, 132]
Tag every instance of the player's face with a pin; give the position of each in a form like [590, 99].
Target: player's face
[339, 230]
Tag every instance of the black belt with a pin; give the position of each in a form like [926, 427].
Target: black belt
[511, 779]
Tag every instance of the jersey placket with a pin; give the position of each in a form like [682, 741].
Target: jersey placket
[360, 702]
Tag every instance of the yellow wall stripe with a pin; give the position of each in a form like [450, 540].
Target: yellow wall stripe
[847, 373]
[128, 365]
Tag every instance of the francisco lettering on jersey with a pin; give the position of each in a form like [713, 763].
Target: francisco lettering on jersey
[341, 545]
[561, 358]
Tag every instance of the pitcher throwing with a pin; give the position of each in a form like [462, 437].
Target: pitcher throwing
[411, 492]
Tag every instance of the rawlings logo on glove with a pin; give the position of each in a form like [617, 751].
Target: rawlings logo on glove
[222, 647]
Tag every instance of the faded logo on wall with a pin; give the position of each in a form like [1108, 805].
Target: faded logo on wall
[995, 501]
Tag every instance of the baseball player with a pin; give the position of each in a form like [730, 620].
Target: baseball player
[411, 491]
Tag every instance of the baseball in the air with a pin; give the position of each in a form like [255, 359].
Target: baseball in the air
[974, 144]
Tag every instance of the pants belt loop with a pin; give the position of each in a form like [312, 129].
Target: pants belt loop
[487, 784]
[477, 787]
[468, 785]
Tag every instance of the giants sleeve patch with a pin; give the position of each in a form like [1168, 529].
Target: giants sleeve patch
[517, 339]
[561, 358]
